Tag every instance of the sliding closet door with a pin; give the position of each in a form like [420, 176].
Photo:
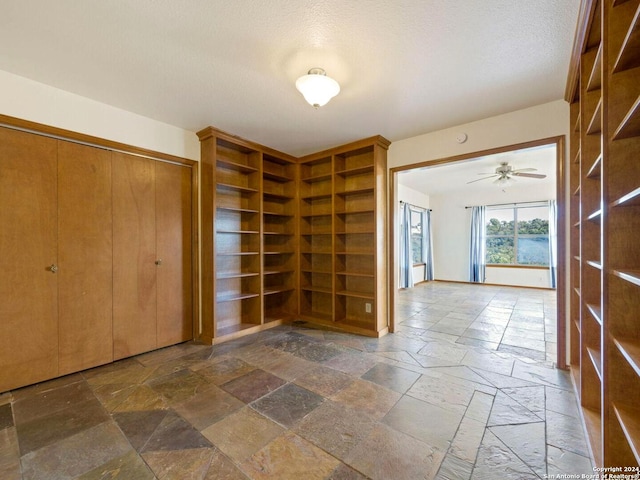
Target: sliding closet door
[134, 255]
[85, 257]
[173, 249]
[28, 248]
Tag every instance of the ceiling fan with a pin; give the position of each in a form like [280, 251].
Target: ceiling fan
[505, 174]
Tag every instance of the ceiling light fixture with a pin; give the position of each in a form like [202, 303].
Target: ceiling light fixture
[317, 88]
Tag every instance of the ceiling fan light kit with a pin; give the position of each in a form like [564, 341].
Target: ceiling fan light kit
[505, 174]
[317, 88]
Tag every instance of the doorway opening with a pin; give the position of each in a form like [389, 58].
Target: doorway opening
[448, 185]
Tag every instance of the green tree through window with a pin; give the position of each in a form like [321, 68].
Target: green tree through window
[517, 236]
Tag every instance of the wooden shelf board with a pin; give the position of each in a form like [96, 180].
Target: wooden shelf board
[631, 276]
[240, 167]
[630, 125]
[595, 264]
[594, 355]
[596, 168]
[279, 196]
[270, 317]
[236, 254]
[628, 200]
[629, 55]
[576, 324]
[358, 191]
[596, 312]
[356, 274]
[310, 234]
[232, 297]
[240, 188]
[577, 291]
[276, 272]
[223, 276]
[236, 209]
[353, 212]
[576, 257]
[356, 253]
[595, 217]
[630, 427]
[315, 196]
[311, 215]
[592, 420]
[328, 252]
[349, 293]
[368, 232]
[237, 231]
[576, 192]
[277, 214]
[355, 171]
[276, 177]
[595, 77]
[631, 352]
[577, 224]
[317, 178]
[222, 332]
[326, 272]
[312, 316]
[280, 252]
[356, 322]
[595, 125]
[288, 234]
[311, 288]
[277, 289]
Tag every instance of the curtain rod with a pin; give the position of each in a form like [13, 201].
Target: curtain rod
[416, 206]
[512, 203]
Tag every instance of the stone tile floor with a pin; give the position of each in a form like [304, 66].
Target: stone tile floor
[465, 389]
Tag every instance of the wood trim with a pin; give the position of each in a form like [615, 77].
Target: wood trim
[42, 129]
[585, 18]
[376, 140]
[531, 267]
[209, 132]
[561, 254]
[481, 153]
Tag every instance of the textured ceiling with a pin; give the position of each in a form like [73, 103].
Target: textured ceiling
[406, 67]
[453, 177]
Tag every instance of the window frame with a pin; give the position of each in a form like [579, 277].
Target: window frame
[516, 235]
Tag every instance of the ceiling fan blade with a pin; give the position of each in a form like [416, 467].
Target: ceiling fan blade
[524, 170]
[529, 175]
[473, 181]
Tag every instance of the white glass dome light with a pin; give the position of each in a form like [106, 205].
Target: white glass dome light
[317, 88]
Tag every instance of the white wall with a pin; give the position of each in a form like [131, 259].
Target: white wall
[37, 102]
[451, 241]
[419, 199]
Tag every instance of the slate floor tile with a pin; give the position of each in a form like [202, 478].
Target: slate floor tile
[369, 398]
[393, 378]
[174, 433]
[253, 385]
[324, 381]
[287, 405]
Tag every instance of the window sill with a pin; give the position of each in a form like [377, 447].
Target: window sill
[532, 267]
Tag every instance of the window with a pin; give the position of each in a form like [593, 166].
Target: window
[416, 236]
[518, 235]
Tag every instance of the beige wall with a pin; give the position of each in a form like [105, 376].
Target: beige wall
[37, 102]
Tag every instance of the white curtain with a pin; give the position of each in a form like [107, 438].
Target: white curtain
[553, 242]
[477, 263]
[406, 255]
[427, 245]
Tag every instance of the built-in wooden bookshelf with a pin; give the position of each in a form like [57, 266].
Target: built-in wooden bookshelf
[249, 241]
[342, 248]
[605, 211]
[286, 239]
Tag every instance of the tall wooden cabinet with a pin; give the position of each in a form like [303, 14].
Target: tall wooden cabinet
[82, 230]
[605, 211]
[286, 238]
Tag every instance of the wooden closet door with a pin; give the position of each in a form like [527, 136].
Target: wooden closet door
[134, 255]
[28, 247]
[173, 248]
[85, 257]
